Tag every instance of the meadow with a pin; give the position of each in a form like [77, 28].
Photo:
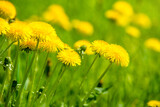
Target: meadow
[121, 39]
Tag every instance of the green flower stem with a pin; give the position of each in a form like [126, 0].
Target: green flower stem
[26, 75]
[47, 83]
[85, 76]
[52, 92]
[3, 84]
[32, 82]
[2, 41]
[6, 48]
[13, 73]
[102, 75]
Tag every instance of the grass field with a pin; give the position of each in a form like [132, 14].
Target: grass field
[131, 86]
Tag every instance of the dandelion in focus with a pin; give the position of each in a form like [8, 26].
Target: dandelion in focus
[153, 44]
[56, 14]
[69, 57]
[117, 54]
[153, 103]
[85, 43]
[83, 27]
[142, 20]
[28, 45]
[7, 10]
[42, 31]
[19, 31]
[99, 46]
[133, 31]
[4, 26]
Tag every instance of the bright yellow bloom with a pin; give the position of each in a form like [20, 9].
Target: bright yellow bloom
[19, 30]
[69, 57]
[112, 14]
[99, 46]
[86, 43]
[4, 26]
[123, 21]
[153, 43]
[28, 44]
[153, 103]
[123, 8]
[83, 27]
[42, 31]
[7, 10]
[117, 54]
[133, 31]
[56, 14]
[142, 20]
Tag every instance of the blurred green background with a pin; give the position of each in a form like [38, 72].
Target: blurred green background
[133, 86]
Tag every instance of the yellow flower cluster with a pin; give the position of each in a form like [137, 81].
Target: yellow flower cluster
[69, 57]
[132, 31]
[114, 53]
[153, 44]
[56, 14]
[83, 27]
[7, 10]
[153, 103]
[4, 26]
[85, 43]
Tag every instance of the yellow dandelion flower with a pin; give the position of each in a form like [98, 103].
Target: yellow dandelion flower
[133, 31]
[153, 103]
[117, 54]
[28, 44]
[99, 46]
[42, 31]
[123, 8]
[86, 43]
[4, 26]
[83, 27]
[142, 20]
[69, 57]
[56, 14]
[123, 21]
[7, 10]
[19, 30]
[112, 14]
[153, 43]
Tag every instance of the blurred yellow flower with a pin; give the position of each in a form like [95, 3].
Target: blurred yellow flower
[99, 46]
[56, 14]
[19, 30]
[123, 8]
[133, 31]
[153, 43]
[83, 27]
[4, 26]
[112, 14]
[42, 31]
[69, 57]
[123, 21]
[153, 103]
[7, 10]
[117, 54]
[142, 20]
[86, 43]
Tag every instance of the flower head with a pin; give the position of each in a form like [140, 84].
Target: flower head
[133, 31]
[86, 43]
[56, 14]
[153, 43]
[4, 26]
[99, 46]
[28, 45]
[83, 27]
[69, 57]
[117, 54]
[142, 20]
[42, 31]
[7, 10]
[153, 103]
[19, 30]
[112, 14]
